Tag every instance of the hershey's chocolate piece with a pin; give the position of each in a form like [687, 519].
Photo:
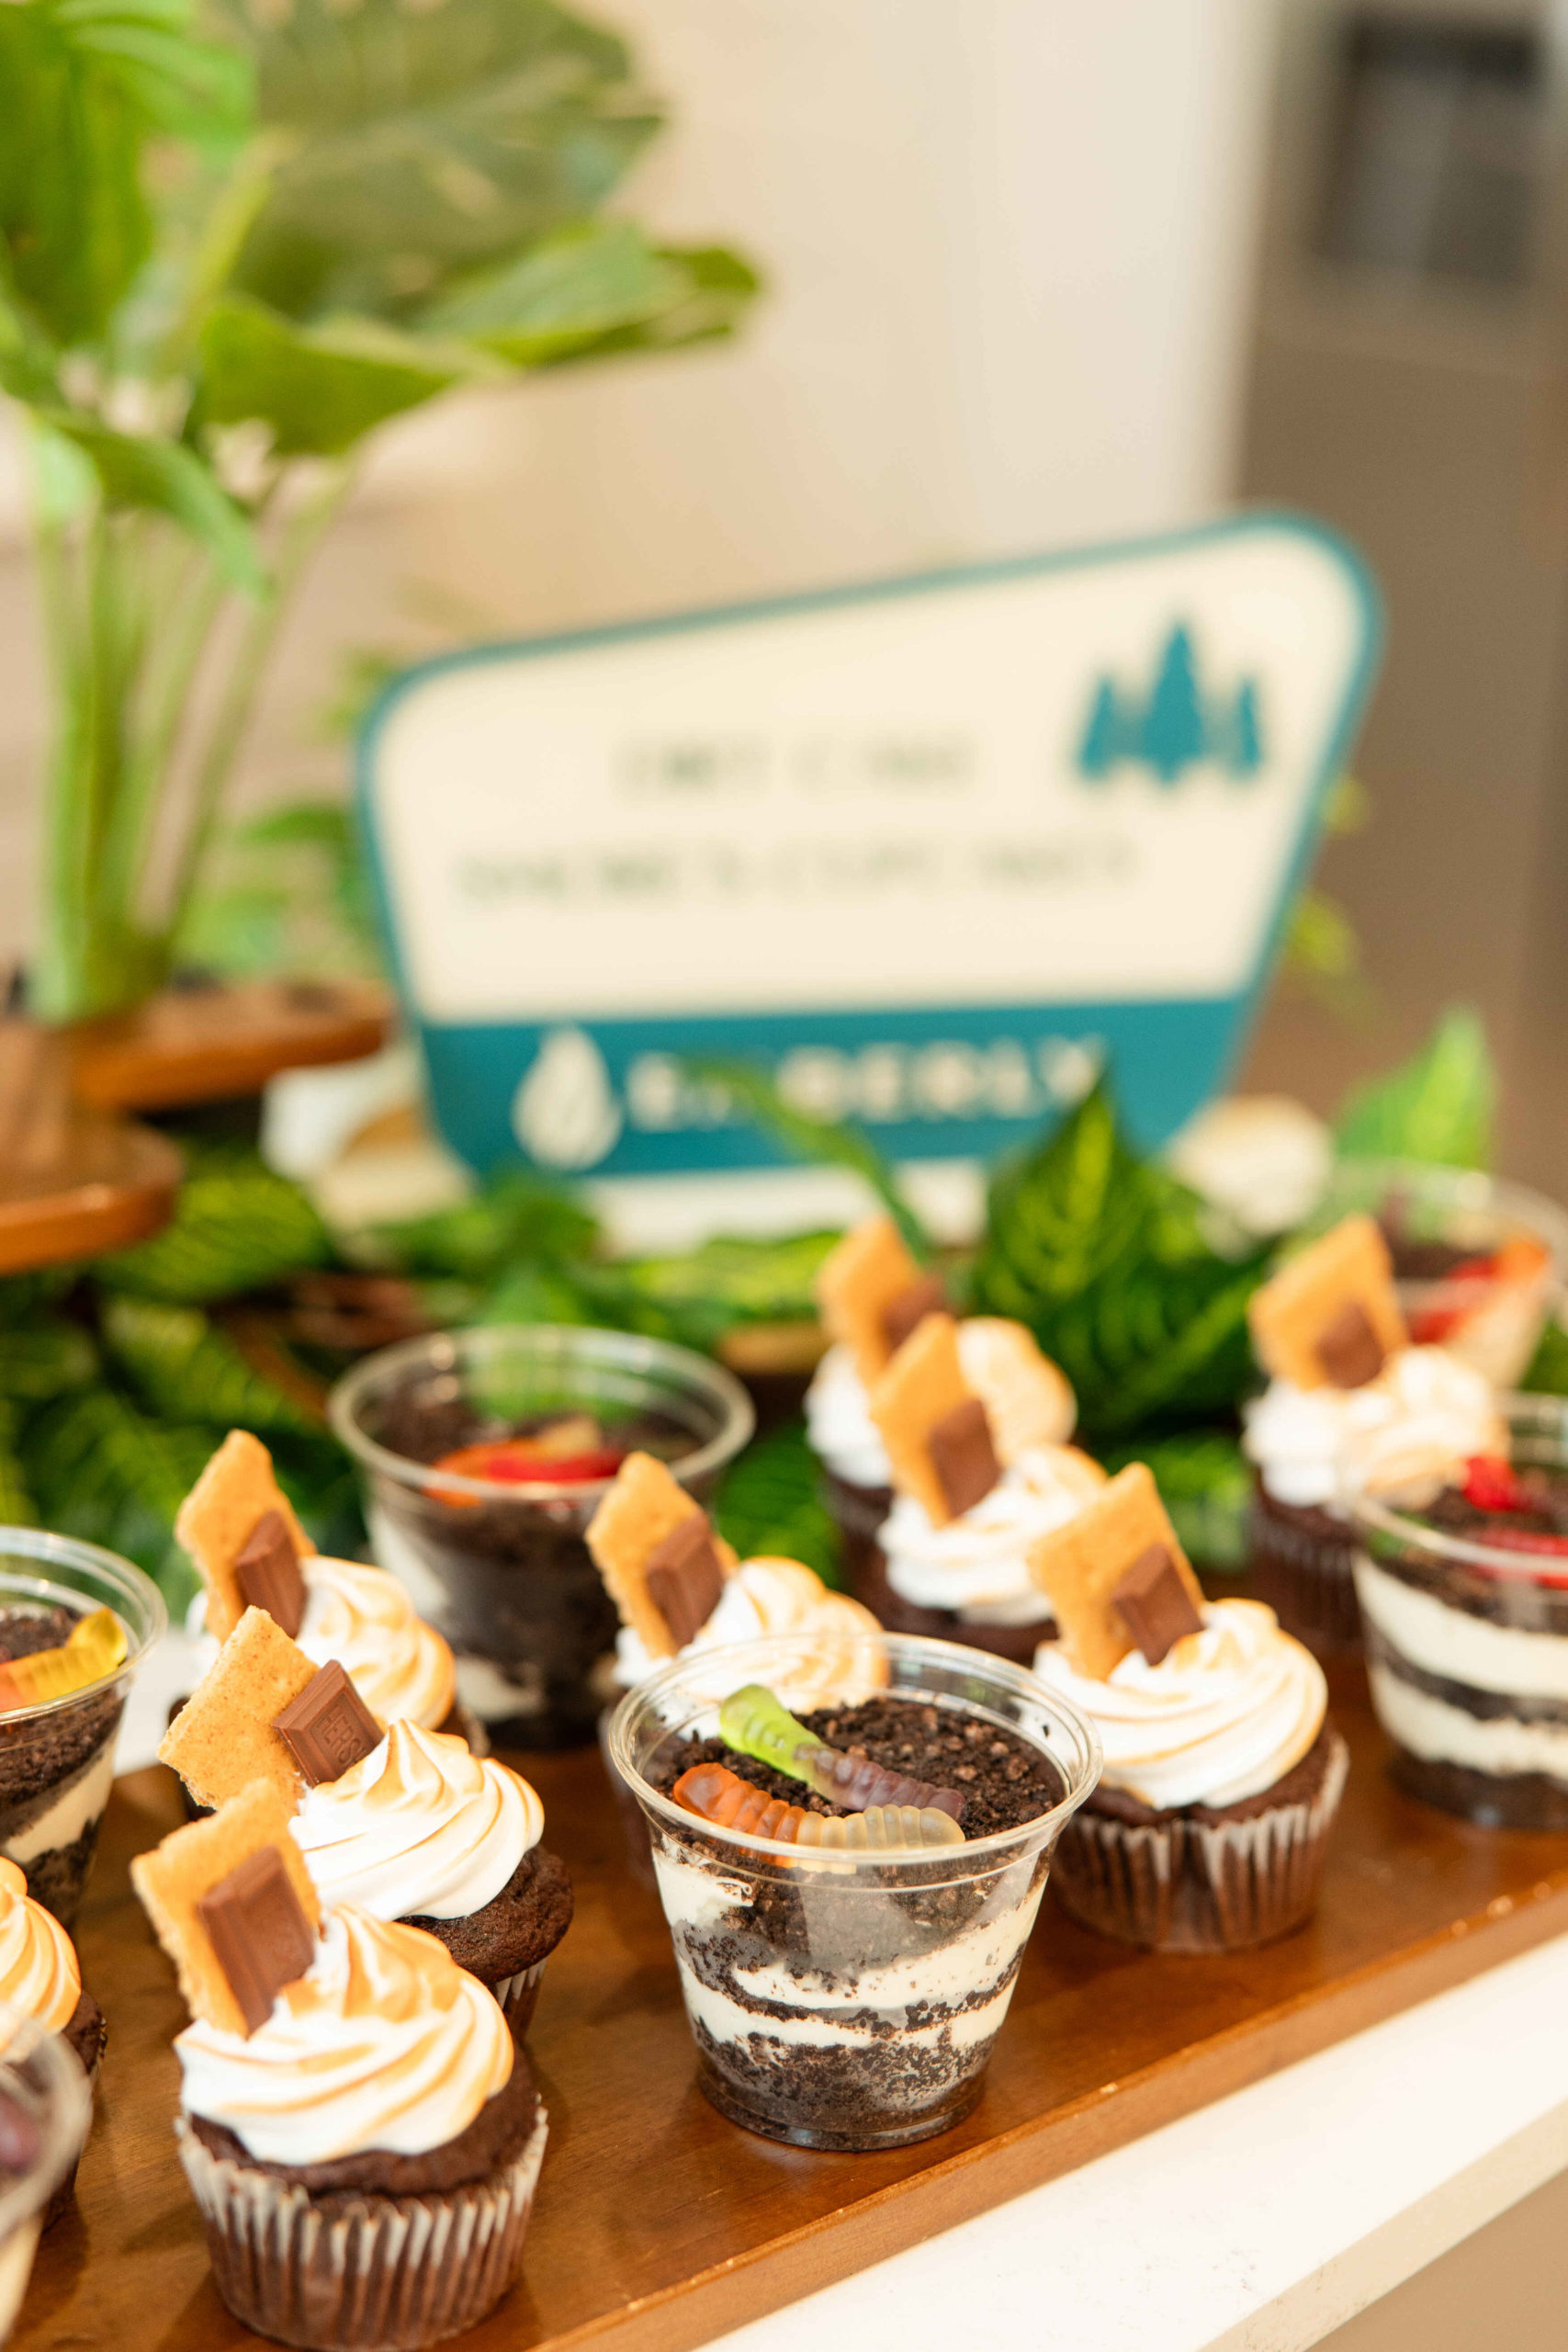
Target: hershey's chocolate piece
[1155, 1604]
[962, 1455]
[328, 1727]
[259, 1932]
[1349, 1350]
[908, 1310]
[685, 1578]
[267, 1569]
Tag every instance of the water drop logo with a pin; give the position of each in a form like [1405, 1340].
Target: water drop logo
[565, 1113]
[1177, 725]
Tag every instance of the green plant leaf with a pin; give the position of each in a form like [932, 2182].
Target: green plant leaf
[237, 1228]
[194, 89]
[697, 1295]
[320, 388]
[1548, 1373]
[769, 1503]
[165, 478]
[186, 1368]
[103, 1470]
[45, 1361]
[1438, 1106]
[517, 1217]
[832, 1142]
[428, 142]
[598, 286]
[17, 1507]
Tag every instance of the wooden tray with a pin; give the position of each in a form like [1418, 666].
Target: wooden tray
[658, 2224]
[208, 1045]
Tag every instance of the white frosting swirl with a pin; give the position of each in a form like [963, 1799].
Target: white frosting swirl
[364, 1618]
[1225, 1715]
[978, 1563]
[1027, 1400]
[1402, 1436]
[764, 1597]
[40, 1973]
[418, 1827]
[383, 2043]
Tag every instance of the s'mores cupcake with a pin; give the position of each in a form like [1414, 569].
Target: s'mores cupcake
[1223, 1775]
[407, 1825]
[357, 2125]
[251, 1551]
[971, 1501]
[873, 1296]
[1352, 1410]
[41, 1976]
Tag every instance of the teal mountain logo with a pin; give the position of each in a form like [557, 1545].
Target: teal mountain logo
[1176, 726]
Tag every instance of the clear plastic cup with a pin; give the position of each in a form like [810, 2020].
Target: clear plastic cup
[45, 2109]
[1480, 1263]
[501, 1570]
[839, 2000]
[57, 1760]
[1467, 1650]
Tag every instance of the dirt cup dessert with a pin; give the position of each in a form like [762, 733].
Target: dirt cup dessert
[357, 2125]
[1222, 1774]
[252, 1553]
[971, 1498]
[1351, 1408]
[849, 1892]
[406, 1823]
[485, 1454]
[873, 1296]
[75, 1624]
[1464, 1602]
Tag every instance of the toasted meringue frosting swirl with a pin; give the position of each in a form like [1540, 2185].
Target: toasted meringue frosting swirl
[1028, 1402]
[364, 1618]
[1402, 1437]
[1225, 1715]
[763, 1596]
[383, 2043]
[978, 1563]
[419, 1827]
[40, 1973]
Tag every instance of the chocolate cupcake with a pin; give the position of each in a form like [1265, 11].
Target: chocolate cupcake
[40, 1976]
[407, 1825]
[358, 2127]
[1209, 1829]
[1352, 1408]
[874, 1297]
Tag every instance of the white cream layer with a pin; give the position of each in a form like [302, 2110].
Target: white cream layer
[1028, 1401]
[978, 1563]
[1459, 1647]
[726, 2020]
[763, 1597]
[1402, 1436]
[62, 1823]
[1439, 1734]
[838, 1424]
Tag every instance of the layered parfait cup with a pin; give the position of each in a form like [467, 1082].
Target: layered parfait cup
[57, 1758]
[46, 2106]
[1467, 1649]
[499, 1566]
[842, 1999]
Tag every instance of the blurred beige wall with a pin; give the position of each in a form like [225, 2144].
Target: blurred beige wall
[1009, 252]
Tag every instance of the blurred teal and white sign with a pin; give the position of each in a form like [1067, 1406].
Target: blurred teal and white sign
[932, 849]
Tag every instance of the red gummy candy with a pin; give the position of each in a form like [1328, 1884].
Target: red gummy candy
[1493, 1483]
[513, 1462]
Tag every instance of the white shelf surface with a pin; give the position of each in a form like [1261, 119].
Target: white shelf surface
[1257, 2225]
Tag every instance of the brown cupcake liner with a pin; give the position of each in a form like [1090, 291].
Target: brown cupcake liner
[1301, 1564]
[1185, 1885]
[519, 1995]
[354, 2272]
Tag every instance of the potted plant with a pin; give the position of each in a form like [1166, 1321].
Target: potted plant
[228, 255]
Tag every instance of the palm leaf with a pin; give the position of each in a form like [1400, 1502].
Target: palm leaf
[186, 1369]
[833, 1143]
[238, 1226]
[1440, 1105]
[106, 1471]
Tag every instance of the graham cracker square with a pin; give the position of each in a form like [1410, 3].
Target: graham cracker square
[235, 1490]
[857, 1282]
[923, 1384]
[171, 1879]
[643, 1506]
[1078, 1567]
[1298, 1308]
[222, 1740]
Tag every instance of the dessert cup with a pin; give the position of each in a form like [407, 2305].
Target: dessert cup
[45, 2104]
[57, 1758]
[1302, 1556]
[1478, 1263]
[1467, 1650]
[839, 2000]
[500, 1568]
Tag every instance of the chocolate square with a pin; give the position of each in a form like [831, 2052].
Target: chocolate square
[267, 1570]
[259, 1932]
[1154, 1604]
[328, 1728]
[908, 1310]
[684, 1577]
[962, 1455]
[1349, 1350]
